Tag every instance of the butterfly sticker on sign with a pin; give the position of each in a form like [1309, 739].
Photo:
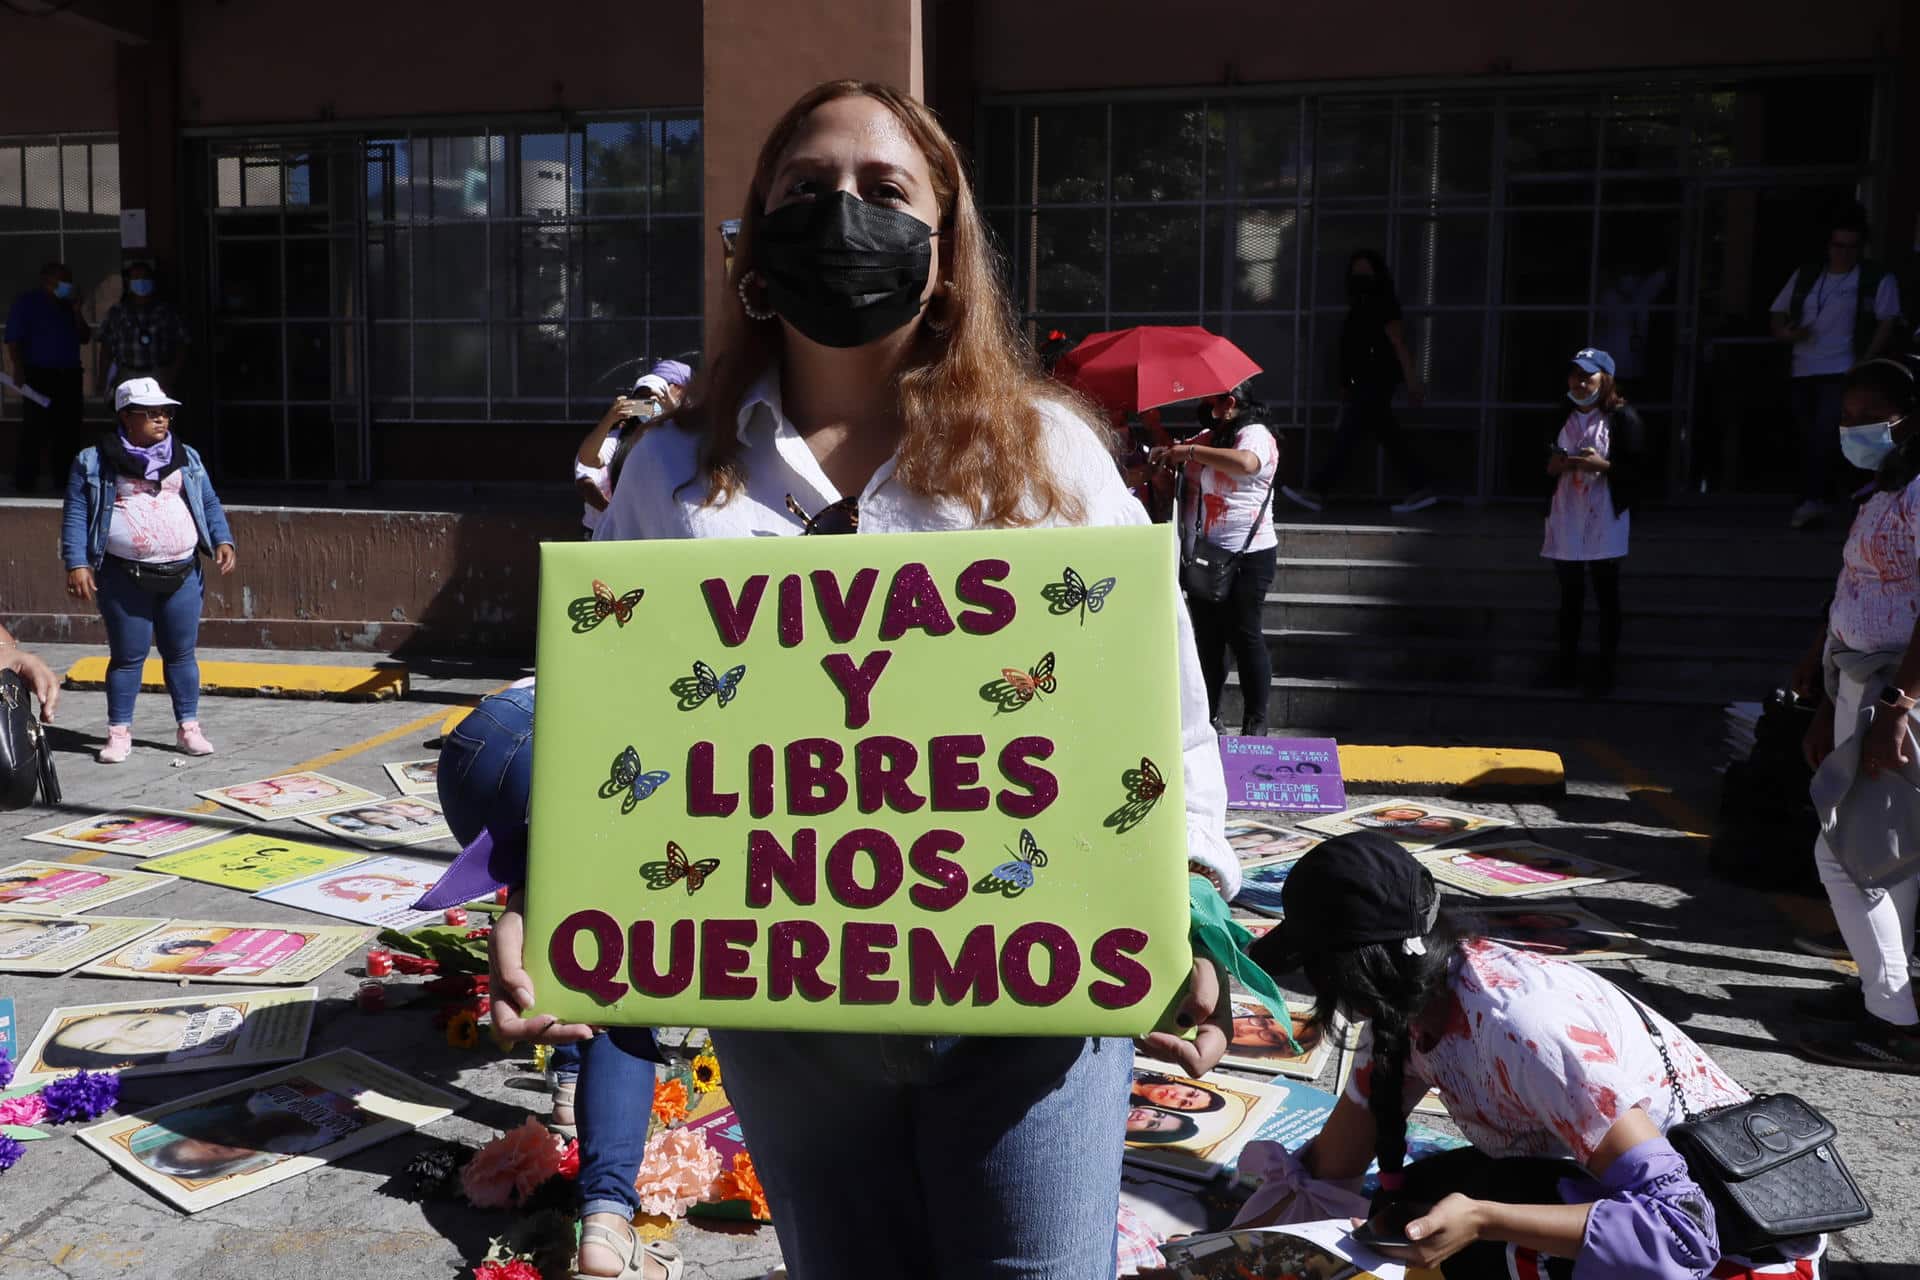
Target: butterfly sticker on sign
[677, 867]
[590, 611]
[1016, 688]
[628, 775]
[1144, 787]
[1011, 879]
[694, 690]
[1072, 592]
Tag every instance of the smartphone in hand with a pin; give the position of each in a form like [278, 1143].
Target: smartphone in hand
[1388, 1226]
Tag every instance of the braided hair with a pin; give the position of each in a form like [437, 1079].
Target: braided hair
[1389, 987]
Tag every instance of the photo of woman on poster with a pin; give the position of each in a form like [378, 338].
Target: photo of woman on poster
[47, 888]
[245, 1135]
[21, 939]
[113, 1041]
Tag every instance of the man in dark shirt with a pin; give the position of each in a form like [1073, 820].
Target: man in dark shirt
[143, 336]
[44, 336]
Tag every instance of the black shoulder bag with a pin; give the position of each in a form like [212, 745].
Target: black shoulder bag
[26, 760]
[1206, 571]
[1769, 1166]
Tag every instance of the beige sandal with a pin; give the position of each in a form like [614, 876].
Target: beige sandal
[632, 1251]
[563, 1091]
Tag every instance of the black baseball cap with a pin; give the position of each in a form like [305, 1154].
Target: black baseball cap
[1348, 892]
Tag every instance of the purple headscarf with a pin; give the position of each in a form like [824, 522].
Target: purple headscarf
[156, 457]
[672, 372]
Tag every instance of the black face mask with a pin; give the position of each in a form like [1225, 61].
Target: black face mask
[842, 271]
[1363, 286]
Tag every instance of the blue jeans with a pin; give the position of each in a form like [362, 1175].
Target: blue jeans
[136, 619]
[485, 780]
[969, 1158]
[1816, 411]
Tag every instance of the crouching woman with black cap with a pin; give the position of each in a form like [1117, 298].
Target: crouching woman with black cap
[1548, 1069]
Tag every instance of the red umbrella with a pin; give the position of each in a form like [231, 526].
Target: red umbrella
[1154, 364]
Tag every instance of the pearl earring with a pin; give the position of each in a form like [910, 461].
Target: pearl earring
[753, 312]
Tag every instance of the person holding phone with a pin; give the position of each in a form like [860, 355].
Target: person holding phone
[1595, 465]
[866, 375]
[657, 392]
[1546, 1066]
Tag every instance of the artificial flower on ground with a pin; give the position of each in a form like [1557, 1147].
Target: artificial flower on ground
[570, 1159]
[28, 1109]
[6, 1071]
[706, 1072]
[463, 1030]
[506, 1171]
[542, 1055]
[434, 1174]
[742, 1183]
[10, 1153]
[84, 1095]
[670, 1101]
[518, 1269]
[679, 1170]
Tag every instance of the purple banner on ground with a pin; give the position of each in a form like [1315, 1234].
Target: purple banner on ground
[1295, 775]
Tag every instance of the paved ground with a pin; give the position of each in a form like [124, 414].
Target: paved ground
[1724, 970]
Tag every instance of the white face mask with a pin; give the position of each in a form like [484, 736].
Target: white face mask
[1867, 445]
[1585, 402]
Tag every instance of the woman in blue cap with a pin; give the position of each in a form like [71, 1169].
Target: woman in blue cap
[1595, 463]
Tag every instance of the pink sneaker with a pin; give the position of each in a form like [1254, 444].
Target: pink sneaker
[192, 740]
[119, 744]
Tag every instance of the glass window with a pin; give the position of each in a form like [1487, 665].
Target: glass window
[1158, 151]
[1353, 155]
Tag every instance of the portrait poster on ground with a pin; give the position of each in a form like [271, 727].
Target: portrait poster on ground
[64, 889]
[1557, 929]
[1293, 775]
[1518, 870]
[888, 783]
[1260, 1044]
[9, 1037]
[212, 1147]
[1259, 840]
[1411, 825]
[253, 861]
[379, 891]
[1193, 1127]
[1303, 1111]
[408, 820]
[171, 1036]
[227, 951]
[137, 833]
[1260, 886]
[1299, 1251]
[415, 777]
[289, 795]
[59, 944]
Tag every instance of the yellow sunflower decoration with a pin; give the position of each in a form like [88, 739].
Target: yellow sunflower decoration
[463, 1030]
[706, 1072]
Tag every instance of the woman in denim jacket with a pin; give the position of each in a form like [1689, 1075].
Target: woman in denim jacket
[140, 512]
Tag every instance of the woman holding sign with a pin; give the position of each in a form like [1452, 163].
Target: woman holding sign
[866, 374]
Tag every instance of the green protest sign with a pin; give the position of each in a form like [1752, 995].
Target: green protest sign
[919, 783]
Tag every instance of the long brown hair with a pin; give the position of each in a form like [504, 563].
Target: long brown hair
[970, 396]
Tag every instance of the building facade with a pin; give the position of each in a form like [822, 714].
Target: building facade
[423, 245]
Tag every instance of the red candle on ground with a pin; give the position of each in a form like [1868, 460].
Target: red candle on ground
[379, 964]
[372, 996]
[456, 916]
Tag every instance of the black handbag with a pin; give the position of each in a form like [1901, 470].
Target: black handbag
[1769, 1166]
[158, 579]
[26, 760]
[1206, 571]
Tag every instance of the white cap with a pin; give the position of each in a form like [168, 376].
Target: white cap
[141, 391]
[652, 382]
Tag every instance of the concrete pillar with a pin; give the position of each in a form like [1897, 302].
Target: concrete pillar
[147, 102]
[759, 57]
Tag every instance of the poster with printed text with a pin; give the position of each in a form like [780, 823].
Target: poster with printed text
[889, 783]
[171, 1036]
[379, 891]
[1413, 826]
[226, 951]
[1518, 870]
[1193, 1127]
[289, 795]
[415, 777]
[63, 889]
[1558, 929]
[1292, 775]
[1258, 840]
[138, 833]
[59, 944]
[408, 820]
[216, 1146]
[254, 861]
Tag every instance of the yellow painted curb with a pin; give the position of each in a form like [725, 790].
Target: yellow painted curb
[265, 679]
[1435, 770]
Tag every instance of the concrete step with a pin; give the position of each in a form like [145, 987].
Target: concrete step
[1720, 676]
[1703, 628]
[1645, 580]
[1512, 540]
[1396, 710]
